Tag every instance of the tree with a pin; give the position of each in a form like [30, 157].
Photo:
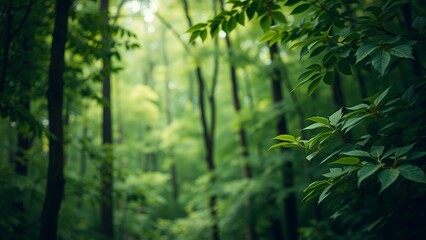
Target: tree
[107, 163]
[55, 179]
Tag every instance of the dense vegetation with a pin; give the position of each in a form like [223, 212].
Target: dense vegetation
[246, 119]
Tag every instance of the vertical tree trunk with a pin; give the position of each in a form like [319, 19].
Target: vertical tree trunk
[290, 208]
[6, 46]
[250, 226]
[208, 132]
[55, 178]
[106, 168]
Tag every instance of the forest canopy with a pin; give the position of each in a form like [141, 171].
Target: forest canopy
[238, 119]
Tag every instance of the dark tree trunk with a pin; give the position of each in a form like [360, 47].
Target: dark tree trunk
[55, 178]
[290, 214]
[250, 226]
[106, 168]
[208, 131]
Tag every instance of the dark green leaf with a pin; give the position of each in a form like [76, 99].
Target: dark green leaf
[382, 95]
[241, 18]
[357, 153]
[377, 151]
[301, 8]
[419, 23]
[313, 85]
[365, 50]
[347, 161]
[197, 27]
[279, 17]
[412, 173]
[367, 171]
[402, 51]
[387, 177]
[317, 51]
[381, 61]
[328, 77]
[335, 117]
[344, 67]
[265, 22]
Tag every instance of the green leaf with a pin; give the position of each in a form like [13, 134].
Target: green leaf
[335, 117]
[304, 51]
[279, 17]
[194, 35]
[301, 8]
[403, 51]
[324, 194]
[291, 2]
[328, 77]
[267, 36]
[317, 51]
[357, 153]
[197, 27]
[334, 172]
[311, 156]
[387, 177]
[265, 22]
[344, 67]
[381, 61]
[419, 23]
[203, 34]
[318, 119]
[367, 171]
[285, 137]
[347, 161]
[313, 86]
[315, 126]
[403, 150]
[377, 151]
[358, 107]
[412, 173]
[241, 17]
[232, 23]
[365, 50]
[382, 95]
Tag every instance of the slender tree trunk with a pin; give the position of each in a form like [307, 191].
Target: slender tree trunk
[208, 133]
[290, 208]
[106, 168]
[55, 178]
[6, 46]
[250, 226]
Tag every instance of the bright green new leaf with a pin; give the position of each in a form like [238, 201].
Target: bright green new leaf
[315, 126]
[403, 51]
[358, 107]
[365, 50]
[387, 177]
[319, 119]
[367, 171]
[381, 61]
[412, 173]
[347, 161]
[285, 137]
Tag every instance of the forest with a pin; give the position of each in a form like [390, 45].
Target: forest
[212, 119]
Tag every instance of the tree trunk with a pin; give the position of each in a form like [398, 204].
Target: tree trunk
[250, 226]
[208, 132]
[106, 168]
[290, 214]
[55, 178]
